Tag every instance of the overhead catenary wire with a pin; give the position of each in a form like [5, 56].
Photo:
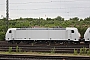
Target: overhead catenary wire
[44, 8]
[41, 2]
[52, 1]
[0, 4]
[57, 1]
[51, 8]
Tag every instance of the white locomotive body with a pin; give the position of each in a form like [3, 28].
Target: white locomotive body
[87, 35]
[41, 34]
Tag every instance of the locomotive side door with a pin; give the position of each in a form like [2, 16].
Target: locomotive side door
[13, 35]
[73, 34]
[69, 37]
[9, 36]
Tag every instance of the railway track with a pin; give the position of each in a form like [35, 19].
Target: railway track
[4, 43]
[58, 48]
[36, 57]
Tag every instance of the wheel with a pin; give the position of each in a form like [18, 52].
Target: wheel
[11, 42]
[27, 42]
[77, 42]
[17, 42]
[87, 42]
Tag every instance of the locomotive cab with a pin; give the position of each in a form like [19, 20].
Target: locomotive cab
[87, 35]
[8, 35]
[73, 34]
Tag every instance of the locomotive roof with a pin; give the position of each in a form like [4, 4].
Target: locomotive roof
[41, 29]
[68, 28]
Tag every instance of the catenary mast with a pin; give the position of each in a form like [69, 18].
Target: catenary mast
[7, 14]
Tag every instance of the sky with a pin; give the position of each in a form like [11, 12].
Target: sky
[46, 8]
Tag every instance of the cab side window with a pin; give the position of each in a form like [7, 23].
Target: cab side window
[10, 31]
[72, 31]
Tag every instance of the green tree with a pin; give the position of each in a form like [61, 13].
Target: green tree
[75, 19]
[59, 18]
[87, 19]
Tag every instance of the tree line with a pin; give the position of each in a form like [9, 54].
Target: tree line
[60, 22]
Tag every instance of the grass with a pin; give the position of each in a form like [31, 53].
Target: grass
[83, 52]
[44, 54]
[53, 50]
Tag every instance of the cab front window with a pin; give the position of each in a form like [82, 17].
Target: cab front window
[10, 31]
[72, 31]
